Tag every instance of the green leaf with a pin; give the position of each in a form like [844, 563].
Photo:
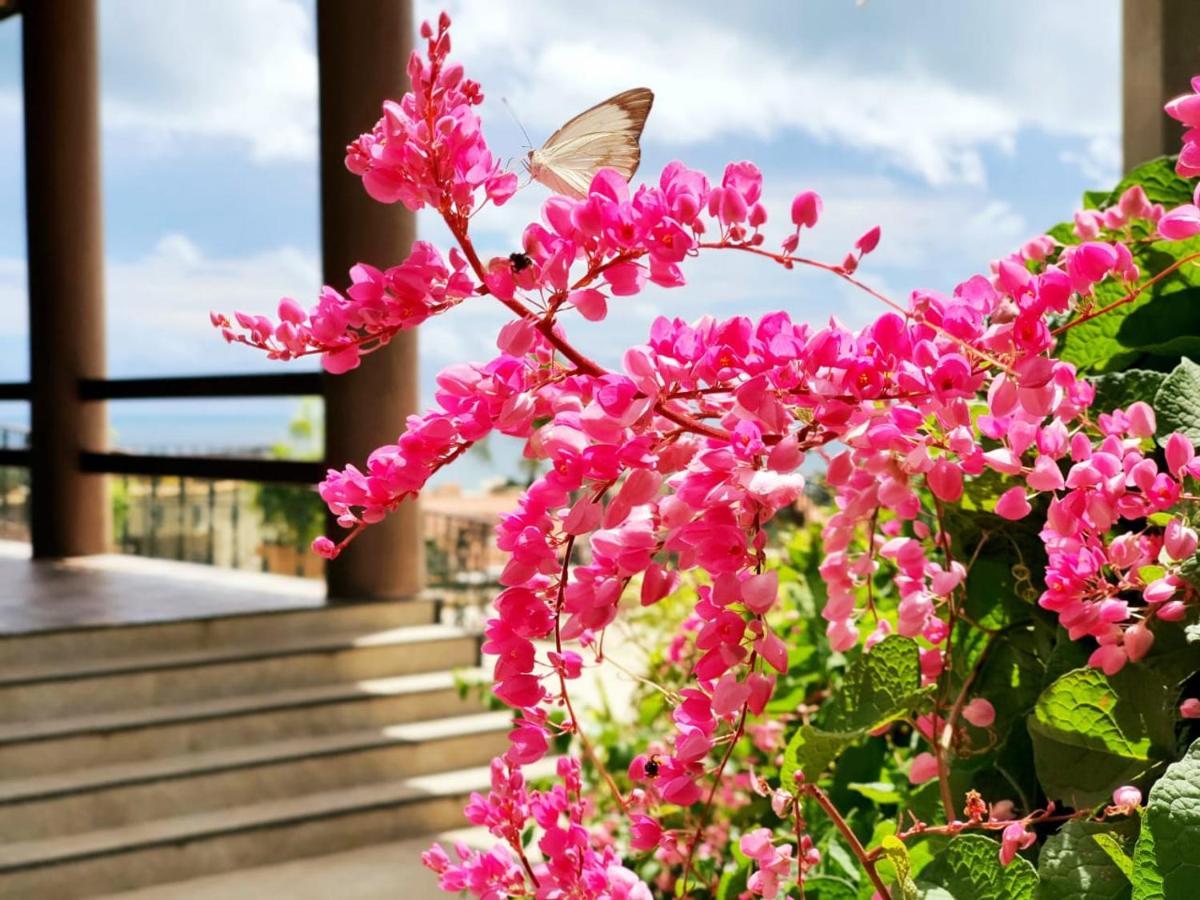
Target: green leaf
[1177, 402]
[733, 882]
[826, 887]
[1172, 821]
[932, 892]
[1116, 852]
[880, 687]
[1116, 390]
[1147, 880]
[1160, 182]
[881, 792]
[1092, 733]
[900, 874]
[1102, 343]
[1169, 324]
[970, 868]
[992, 599]
[1073, 864]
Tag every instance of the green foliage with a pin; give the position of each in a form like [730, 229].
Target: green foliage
[1166, 863]
[1158, 180]
[1116, 390]
[969, 869]
[1082, 860]
[1177, 401]
[1157, 321]
[1163, 322]
[898, 872]
[1092, 733]
[880, 687]
[1063, 733]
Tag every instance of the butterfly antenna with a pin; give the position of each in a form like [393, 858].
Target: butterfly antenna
[528, 142]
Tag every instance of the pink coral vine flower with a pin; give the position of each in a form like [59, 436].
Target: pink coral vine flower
[675, 461]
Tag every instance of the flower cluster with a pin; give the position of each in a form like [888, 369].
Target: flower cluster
[676, 461]
[1186, 109]
[572, 866]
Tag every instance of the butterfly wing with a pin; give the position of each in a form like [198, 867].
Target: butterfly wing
[605, 135]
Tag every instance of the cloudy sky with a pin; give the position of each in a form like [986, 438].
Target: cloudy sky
[960, 126]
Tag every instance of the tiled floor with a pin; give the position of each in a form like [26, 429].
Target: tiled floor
[118, 590]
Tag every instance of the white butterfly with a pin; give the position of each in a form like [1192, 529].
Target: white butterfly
[605, 135]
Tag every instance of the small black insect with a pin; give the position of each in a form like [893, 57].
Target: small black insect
[652, 766]
[520, 262]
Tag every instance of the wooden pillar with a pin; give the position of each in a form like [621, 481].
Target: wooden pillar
[1160, 54]
[70, 510]
[363, 49]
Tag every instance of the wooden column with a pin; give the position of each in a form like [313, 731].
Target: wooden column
[363, 49]
[1160, 54]
[70, 510]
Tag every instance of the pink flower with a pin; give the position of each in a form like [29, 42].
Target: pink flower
[946, 481]
[979, 712]
[1190, 708]
[1013, 504]
[1180, 223]
[645, 832]
[806, 209]
[924, 768]
[1127, 799]
[869, 241]
[759, 592]
[1013, 839]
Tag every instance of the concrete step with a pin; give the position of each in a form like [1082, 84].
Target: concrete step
[175, 849]
[121, 795]
[49, 746]
[73, 688]
[364, 873]
[108, 641]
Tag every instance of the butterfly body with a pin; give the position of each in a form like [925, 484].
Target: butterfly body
[605, 136]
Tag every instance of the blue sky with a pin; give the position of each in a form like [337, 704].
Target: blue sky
[961, 126]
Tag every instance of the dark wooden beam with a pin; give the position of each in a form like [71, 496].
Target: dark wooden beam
[70, 508]
[1160, 54]
[282, 384]
[289, 471]
[363, 49]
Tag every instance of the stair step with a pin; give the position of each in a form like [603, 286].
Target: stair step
[108, 641]
[189, 846]
[106, 685]
[118, 795]
[58, 745]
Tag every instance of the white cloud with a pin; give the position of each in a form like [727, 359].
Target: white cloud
[241, 70]
[925, 89]
[1099, 160]
[158, 305]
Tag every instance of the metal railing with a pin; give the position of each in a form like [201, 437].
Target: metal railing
[112, 462]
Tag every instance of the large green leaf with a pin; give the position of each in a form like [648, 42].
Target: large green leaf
[1168, 324]
[880, 687]
[1160, 182]
[1147, 880]
[1177, 401]
[1092, 733]
[1073, 864]
[1116, 390]
[827, 887]
[1170, 861]
[1101, 344]
[970, 868]
[993, 601]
